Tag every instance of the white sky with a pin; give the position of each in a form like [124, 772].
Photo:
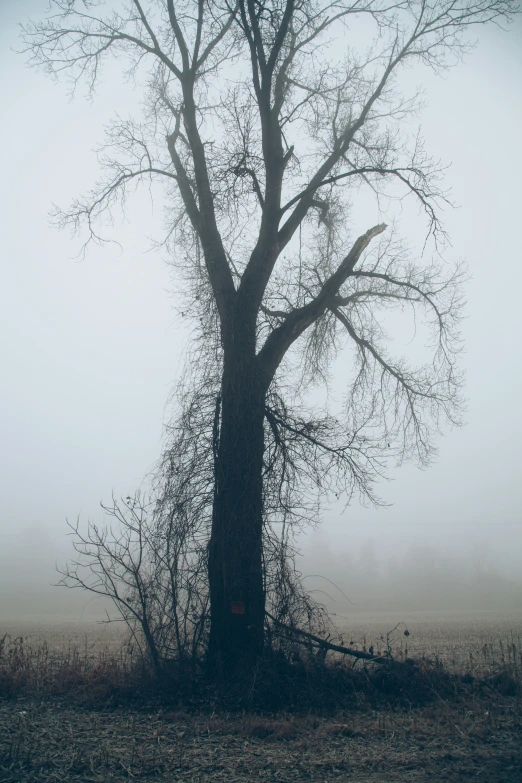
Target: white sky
[90, 349]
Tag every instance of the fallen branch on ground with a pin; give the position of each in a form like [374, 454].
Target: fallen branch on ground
[322, 643]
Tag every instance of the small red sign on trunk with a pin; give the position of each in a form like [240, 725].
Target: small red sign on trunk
[238, 607]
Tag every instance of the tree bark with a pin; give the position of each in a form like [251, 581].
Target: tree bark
[237, 596]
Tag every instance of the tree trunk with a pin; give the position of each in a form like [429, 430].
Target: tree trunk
[237, 598]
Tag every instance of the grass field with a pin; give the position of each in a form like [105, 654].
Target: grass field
[59, 720]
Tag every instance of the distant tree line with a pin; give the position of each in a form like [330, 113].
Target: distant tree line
[422, 578]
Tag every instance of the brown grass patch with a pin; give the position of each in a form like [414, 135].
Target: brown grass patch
[75, 714]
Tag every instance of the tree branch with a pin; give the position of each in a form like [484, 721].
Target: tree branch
[295, 323]
[325, 645]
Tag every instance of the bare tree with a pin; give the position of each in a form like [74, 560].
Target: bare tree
[264, 123]
[153, 568]
[151, 560]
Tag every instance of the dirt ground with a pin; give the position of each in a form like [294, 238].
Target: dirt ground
[43, 741]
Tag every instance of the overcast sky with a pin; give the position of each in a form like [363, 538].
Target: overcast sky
[90, 349]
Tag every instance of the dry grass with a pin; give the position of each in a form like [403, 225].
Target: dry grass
[473, 642]
[48, 741]
[85, 710]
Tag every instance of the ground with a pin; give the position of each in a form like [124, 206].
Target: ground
[455, 717]
[51, 740]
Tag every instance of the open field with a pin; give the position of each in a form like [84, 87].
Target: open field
[462, 641]
[77, 732]
[465, 642]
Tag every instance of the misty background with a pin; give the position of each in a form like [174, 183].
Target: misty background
[91, 349]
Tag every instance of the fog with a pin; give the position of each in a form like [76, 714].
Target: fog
[90, 351]
[422, 578]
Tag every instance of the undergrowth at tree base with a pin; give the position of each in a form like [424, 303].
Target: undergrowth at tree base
[279, 682]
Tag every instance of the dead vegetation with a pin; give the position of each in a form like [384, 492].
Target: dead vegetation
[73, 714]
[299, 678]
[51, 740]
